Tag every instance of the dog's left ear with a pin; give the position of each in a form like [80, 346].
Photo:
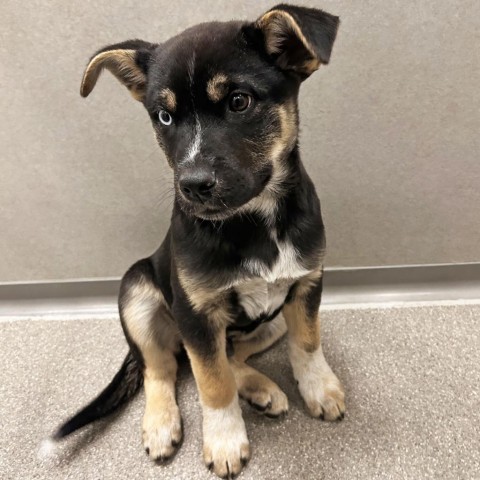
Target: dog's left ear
[127, 61]
[298, 38]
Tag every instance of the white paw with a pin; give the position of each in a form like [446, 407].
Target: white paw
[225, 444]
[318, 385]
[162, 433]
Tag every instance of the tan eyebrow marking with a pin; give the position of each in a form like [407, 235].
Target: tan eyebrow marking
[167, 96]
[217, 87]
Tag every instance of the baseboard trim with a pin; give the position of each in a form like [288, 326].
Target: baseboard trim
[344, 287]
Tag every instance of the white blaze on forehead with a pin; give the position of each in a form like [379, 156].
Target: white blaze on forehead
[194, 147]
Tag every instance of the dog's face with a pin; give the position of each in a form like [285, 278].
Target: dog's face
[223, 102]
[223, 116]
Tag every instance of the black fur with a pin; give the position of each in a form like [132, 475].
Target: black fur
[123, 387]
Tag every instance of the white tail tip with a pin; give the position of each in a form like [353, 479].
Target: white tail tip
[47, 449]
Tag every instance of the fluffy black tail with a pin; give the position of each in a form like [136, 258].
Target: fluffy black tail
[123, 387]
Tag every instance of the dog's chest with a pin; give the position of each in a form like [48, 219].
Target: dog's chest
[266, 291]
[286, 266]
[259, 298]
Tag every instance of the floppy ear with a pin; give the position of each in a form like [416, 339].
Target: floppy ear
[128, 61]
[298, 38]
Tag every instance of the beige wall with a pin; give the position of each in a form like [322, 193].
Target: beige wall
[390, 133]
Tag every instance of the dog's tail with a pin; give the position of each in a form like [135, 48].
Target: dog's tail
[124, 385]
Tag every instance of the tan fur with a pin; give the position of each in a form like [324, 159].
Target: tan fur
[138, 93]
[279, 142]
[214, 377]
[148, 319]
[289, 129]
[308, 281]
[162, 427]
[311, 65]
[121, 63]
[251, 384]
[275, 24]
[151, 327]
[208, 300]
[217, 87]
[259, 390]
[320, 388]
[169, 98]
[303, 329]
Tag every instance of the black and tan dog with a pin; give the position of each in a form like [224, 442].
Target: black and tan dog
[242, 261]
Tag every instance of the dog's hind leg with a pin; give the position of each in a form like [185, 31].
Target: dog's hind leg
[150, 329]
[261, 392]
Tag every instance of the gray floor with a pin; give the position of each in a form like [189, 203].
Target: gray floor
[412, 377]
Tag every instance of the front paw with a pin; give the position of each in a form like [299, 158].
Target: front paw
[319, 386]
[225, 444]
[162, 433]
[324, 396]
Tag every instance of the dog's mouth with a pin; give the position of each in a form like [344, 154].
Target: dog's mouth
[212, 209]
[206, 212]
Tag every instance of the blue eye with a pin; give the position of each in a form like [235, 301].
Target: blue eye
[165, 117]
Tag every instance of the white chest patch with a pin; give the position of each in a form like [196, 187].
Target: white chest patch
[267, 292]
[257, 296]
[286, 266]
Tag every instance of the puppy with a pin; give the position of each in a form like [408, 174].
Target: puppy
[242, 261]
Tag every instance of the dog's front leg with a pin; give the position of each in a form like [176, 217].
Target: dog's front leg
[225, 445]
[318, 385]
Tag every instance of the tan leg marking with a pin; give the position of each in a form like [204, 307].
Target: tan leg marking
[214, 377]
[305, 331]
[162, 424]
[151, 327]
[318, 385]
[225, 443]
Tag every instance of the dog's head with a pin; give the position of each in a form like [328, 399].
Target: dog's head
[223, 102]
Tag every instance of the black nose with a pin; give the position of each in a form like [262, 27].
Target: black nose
[197, 184]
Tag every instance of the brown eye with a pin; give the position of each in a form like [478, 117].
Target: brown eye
[239, 102]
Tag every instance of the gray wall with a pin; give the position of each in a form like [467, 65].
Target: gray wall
[390, 134]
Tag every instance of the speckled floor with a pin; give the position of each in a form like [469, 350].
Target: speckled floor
[412, 377]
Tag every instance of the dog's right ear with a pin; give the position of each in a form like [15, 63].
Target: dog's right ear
[128, 61]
